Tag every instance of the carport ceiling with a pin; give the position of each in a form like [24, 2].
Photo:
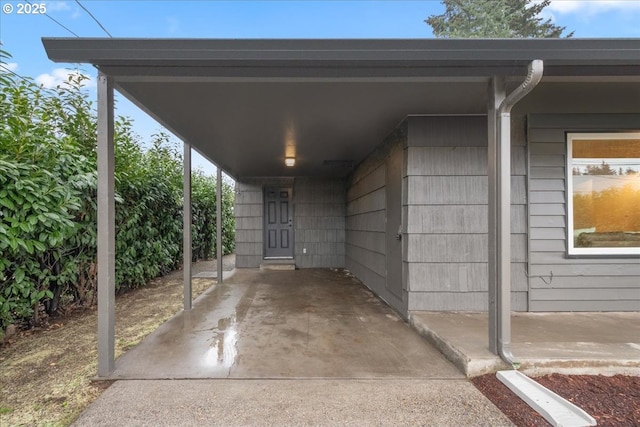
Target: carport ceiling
[246, 104]
[248, 127]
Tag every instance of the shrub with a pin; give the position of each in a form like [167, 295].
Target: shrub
[48, 215]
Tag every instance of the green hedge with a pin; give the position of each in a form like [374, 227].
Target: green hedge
[48, 202]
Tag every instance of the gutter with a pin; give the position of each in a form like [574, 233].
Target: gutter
[534, 75]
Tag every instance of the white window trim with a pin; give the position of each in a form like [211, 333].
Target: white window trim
[568, 175]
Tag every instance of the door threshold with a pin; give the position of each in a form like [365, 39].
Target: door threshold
[278, 264]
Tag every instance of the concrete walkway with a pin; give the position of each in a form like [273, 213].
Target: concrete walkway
[569, 343]
[304, 347]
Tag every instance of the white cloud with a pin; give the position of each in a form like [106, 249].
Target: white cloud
[591, 7]
[54, 6]
[59, 6]
[10, 66]
[59, 77]
[173, 25]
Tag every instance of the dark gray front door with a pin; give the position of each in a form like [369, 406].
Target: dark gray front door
[278, 223]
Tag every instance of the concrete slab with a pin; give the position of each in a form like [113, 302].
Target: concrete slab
[292, 403]
[315, 323]
[573, 343]
[226, 274]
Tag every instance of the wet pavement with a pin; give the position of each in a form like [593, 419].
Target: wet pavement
[315, 323]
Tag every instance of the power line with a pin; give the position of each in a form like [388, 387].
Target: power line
[57, 22]
[94, 18]
[8, 70]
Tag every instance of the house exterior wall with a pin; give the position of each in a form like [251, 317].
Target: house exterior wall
[319, 218]
[366, 218]
[444, 185]
[447, 208]
[249, 211]
[319, 221]
[558, 282]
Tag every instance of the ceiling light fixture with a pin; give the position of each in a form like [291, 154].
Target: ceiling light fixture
[290, 161]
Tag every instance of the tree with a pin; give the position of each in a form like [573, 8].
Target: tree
[494, 19]
[602, 169]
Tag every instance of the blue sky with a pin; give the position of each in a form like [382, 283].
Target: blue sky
[20, 33]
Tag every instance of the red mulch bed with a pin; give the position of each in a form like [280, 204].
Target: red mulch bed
[612, 401]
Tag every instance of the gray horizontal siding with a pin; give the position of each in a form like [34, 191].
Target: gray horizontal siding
[444, 161]
[558, 271]
[459, 277]
[558, 282]
[248, 210]
[366, 216]
[368, 221]
[374, 201]
[369, 259]
[583, 282]
[452, 131]
[459, 301]
[594, 294]
[584, 305]
[448, 219]
[365, 226]
[458, 248]
[374, 181]
[458, 190]
[551, 257]
[371, 241]
[446, 243]
[319, 219]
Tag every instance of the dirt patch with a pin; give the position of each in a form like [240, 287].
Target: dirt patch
[46, 372]
[612, 401]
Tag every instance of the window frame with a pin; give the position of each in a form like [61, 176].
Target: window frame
[571, 249]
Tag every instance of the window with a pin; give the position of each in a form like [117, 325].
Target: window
[603, 186]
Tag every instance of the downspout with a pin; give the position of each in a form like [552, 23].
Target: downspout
[534, 75]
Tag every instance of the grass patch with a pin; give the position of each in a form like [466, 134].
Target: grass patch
[51, 370]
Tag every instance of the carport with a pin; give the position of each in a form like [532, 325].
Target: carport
[307, 323]
[251, 106]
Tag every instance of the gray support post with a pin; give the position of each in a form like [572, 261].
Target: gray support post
[219, 224]
[186, 226]
[106, 228]
[496, 96]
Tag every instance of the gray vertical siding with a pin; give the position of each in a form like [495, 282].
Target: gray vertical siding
[366, 217]
[446, 225]
[248, 210]
[319, 211]
[557, 282]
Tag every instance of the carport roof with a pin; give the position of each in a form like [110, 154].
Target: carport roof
[246, 104]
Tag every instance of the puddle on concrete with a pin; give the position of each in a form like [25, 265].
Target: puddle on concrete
[223, 350]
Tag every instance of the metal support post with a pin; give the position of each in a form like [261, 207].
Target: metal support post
[219, 224]
[496, 96]
[106, 228]
[186, 226]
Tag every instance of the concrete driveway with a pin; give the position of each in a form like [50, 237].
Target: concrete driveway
[315, 323]
[288, 348]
